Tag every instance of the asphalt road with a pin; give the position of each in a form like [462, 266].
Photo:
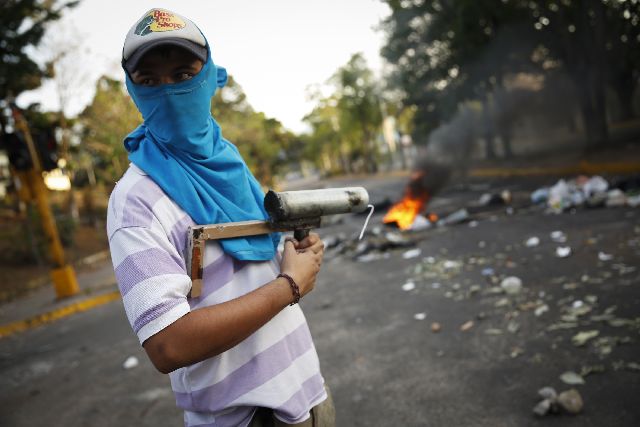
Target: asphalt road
[383, 365]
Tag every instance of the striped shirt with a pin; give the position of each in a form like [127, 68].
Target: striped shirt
[275, 367]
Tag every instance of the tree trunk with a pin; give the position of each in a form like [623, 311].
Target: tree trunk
[624, 89]
[505, 136]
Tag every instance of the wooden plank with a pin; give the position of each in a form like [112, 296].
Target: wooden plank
[233, 229]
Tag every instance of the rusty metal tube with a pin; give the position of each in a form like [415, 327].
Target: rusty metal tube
[287, 205]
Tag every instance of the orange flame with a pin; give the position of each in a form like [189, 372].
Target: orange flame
[405, 211]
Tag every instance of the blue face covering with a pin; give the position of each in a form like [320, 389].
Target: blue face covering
[181, 147]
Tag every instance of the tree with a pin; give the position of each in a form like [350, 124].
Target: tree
[446, 52]
[359, 107]
[345, 124]
[105, 122]
[264, 143]
[22, 25]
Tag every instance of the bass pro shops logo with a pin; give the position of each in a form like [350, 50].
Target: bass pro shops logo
[157, 21]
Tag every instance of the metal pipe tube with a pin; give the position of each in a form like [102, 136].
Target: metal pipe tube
[287, 205]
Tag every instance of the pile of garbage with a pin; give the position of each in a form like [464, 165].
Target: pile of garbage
[592, 191]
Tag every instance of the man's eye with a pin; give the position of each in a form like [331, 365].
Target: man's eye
[148, 82]
[184, 76]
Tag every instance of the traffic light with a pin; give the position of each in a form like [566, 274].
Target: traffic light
[17, 150]
[47, 147]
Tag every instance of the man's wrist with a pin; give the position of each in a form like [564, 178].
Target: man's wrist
[295, 289]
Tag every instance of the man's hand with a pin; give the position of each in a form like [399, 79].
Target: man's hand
[302, 261]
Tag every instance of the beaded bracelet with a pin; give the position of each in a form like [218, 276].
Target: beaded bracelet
[294, 287]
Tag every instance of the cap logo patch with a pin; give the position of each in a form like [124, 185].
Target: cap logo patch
[158, 21]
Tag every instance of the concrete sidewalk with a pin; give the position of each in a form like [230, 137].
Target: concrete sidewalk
[97, 284]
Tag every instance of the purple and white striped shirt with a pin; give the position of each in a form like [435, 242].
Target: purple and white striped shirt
[276, 367]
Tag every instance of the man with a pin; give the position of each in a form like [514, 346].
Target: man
[241, 353]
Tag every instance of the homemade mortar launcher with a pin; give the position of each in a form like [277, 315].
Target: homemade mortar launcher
[299, 211]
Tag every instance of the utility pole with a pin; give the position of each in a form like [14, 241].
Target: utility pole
[63, 275]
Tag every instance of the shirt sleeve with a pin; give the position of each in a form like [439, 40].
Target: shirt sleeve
[151, 277]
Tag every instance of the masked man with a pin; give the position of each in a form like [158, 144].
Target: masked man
[240, 353]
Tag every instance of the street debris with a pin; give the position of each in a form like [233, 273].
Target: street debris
[563, 251]
[540, 310]
[420, 316]
[558, 236]
[511, 285]
[456, 217]
[131, 362]
[569, 401]
[412, 253]
[572, 378]
[409, 286]
[581, 338]
[604, 256]
[581, 191]
[436, 327]
[466, 326]
[532, 242]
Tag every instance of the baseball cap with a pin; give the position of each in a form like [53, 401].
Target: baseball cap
[161, 27]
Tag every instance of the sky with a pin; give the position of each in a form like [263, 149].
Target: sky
[274, 49]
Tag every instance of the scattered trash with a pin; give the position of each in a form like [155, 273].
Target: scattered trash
[131, 362]
[604, 257]
[591, 369]
[558, 236]
[541, 195]
[495, 199]
[420, 316]
[615, 198]
[503, 302]
[493, 331]
[436, 327]
[515, 352]
[539, 311]
[633, 366]
[532, 242]
[412, 253]
[409, 286]
[420, 223]
[488, 271]
[542, 408]
[466, 326]
[571, 401]
[370, 257]
[563, 251]
[456, 217]
[513, 327]
[633, 201]
[592, 191]
[581, 338]
[571, 378]
[511, 285]
[596, 184]
[548, 393]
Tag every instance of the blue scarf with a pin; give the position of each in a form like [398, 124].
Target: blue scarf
[180, 146]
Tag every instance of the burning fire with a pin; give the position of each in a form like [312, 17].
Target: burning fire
[405, 211]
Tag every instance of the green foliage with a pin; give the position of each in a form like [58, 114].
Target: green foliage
[110, 117]
[346, 123]
[446, 52]
[266, 146]
[22, 26]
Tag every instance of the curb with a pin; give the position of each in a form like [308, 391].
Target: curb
[583, 168]
[58, 313]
